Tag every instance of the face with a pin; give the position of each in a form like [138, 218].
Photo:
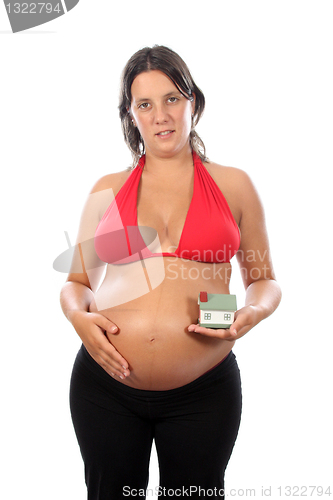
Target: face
[162, 114]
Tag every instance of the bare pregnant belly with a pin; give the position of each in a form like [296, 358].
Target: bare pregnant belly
[153, 335]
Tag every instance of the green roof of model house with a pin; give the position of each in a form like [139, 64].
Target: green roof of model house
[219, 302]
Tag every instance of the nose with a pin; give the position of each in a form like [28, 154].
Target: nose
[161, 114]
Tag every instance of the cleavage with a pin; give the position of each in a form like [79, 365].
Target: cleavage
[165, 213]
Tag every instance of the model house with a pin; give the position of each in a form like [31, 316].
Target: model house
[216, 310]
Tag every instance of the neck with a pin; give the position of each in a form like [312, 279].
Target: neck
[168, 165]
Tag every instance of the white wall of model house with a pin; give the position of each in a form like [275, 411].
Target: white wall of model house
[211, 316]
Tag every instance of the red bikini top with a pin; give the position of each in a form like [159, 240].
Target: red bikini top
[210, 232]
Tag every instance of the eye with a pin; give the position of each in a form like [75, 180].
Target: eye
[143, 105]
[173, 99]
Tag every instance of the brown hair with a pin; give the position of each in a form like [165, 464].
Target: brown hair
[171, 64]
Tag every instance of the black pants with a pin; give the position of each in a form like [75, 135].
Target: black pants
[194, 428]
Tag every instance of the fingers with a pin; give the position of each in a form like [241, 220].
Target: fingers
[224, 334]
[106, 324]
[117, 365]
[105, 354]
[114, 362]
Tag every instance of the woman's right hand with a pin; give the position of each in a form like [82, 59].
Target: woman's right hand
[90, 327]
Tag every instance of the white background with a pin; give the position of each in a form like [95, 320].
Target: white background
[266, 70]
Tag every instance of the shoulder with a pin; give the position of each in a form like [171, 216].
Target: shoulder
[235, 177]
[111, 181]
[101, 195]
[236, 186]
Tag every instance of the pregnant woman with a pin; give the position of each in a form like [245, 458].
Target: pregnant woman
[150, 239]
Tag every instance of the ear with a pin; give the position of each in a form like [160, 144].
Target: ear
[131, 116]
[193, 103]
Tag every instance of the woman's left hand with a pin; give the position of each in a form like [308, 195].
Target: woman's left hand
[245, 319]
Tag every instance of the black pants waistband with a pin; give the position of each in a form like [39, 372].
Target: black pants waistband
[201, 382]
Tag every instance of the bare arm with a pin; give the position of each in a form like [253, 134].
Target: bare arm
[75, 297]
[263, 293]
[78, 292]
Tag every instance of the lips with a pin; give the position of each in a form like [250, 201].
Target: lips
[164, 133]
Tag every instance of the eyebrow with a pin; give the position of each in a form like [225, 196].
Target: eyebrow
[166, 95]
